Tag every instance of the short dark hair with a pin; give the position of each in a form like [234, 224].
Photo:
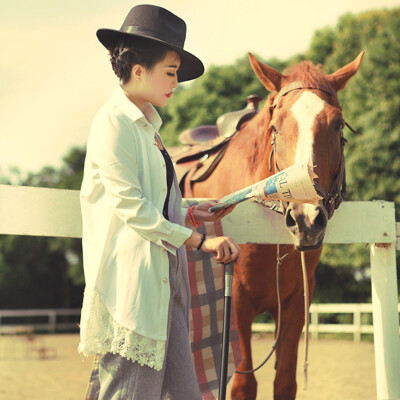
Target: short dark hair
[125, 55]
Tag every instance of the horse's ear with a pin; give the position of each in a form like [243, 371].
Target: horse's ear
[271, 79]
[340, 78]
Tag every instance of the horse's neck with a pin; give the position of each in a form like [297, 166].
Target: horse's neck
[246, 160]
[254, 145]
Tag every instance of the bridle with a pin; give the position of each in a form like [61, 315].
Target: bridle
[336, 194]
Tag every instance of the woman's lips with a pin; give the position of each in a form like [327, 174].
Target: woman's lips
[169, 94]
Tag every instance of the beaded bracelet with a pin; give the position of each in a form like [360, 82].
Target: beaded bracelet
[192, 219]
[201, 241]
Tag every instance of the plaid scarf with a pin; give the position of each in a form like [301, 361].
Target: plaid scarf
[206, 279]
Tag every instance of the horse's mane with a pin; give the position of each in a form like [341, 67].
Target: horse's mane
[307, 73]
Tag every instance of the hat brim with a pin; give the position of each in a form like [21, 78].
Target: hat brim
[191, 67]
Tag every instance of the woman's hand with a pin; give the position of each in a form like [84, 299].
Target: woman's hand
[201, 212]
[224, 248]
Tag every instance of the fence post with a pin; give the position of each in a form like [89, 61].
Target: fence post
[314, 322]
[386, 320]
[357, 324]
[52, 321]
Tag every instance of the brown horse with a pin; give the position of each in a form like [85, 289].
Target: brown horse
[301, 122]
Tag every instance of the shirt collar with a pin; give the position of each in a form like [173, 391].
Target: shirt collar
[150, 114]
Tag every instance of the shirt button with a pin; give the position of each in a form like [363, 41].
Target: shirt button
[164, 189]
[165, 280]
[163, 165]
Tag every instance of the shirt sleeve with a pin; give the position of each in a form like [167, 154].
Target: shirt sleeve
[120, 175]
[184, 212]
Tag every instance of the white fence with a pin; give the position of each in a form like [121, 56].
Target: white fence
[29, 319]
[356, 328]
[55, 212]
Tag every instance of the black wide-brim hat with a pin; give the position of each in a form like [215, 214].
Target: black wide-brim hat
[157, 24]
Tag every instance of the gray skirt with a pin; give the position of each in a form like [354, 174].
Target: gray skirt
[121, 379]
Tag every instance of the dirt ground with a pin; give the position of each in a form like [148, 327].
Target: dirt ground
[338, 370]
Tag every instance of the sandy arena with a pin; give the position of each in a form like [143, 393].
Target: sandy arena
[338, 370]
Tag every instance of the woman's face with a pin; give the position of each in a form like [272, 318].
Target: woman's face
[157, 84]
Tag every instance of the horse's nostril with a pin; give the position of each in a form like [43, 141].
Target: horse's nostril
[321, 221]
[290, 222]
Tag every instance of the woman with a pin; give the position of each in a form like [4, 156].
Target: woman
[136, 305]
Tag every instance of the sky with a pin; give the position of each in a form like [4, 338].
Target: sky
[55, 75]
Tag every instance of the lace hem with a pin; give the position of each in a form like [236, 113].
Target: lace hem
[101, 334]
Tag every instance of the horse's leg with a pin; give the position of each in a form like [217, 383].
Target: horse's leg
[286, 351]
[292, 322]
[244, 386]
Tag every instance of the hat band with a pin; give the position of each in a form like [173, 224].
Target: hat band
[149, 33]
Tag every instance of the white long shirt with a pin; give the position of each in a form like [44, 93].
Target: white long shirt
[125, 236]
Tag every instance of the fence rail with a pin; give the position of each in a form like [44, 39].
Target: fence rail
[25, 318]
[56, 213]
[13, 321]
[357, 328]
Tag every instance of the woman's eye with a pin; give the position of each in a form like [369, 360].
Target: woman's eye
[170, 74]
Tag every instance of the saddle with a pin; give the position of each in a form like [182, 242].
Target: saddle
[207, 146]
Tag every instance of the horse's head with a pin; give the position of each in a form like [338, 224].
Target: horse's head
[306, 126]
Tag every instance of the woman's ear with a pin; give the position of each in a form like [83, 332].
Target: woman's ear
[137, 72]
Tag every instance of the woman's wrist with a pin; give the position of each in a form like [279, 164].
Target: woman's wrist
[203, 238]
[195, 239]
[192, 219]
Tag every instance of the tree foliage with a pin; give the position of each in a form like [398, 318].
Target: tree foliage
[40, 272]
[220, 90]
[371, 104]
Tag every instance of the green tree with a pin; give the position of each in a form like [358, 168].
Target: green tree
[322, 45]
[220, 90]
[34, 274]
[371, 103]
[32, 267]
[69, 176]
[38, 272]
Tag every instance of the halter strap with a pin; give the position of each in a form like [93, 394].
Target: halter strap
[335, 196]
[299, 85]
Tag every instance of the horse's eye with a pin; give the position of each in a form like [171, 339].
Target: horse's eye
[339, 125]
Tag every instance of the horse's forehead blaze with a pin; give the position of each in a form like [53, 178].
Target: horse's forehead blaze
[305, 110]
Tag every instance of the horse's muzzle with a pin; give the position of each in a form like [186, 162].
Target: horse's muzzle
[306, 224]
